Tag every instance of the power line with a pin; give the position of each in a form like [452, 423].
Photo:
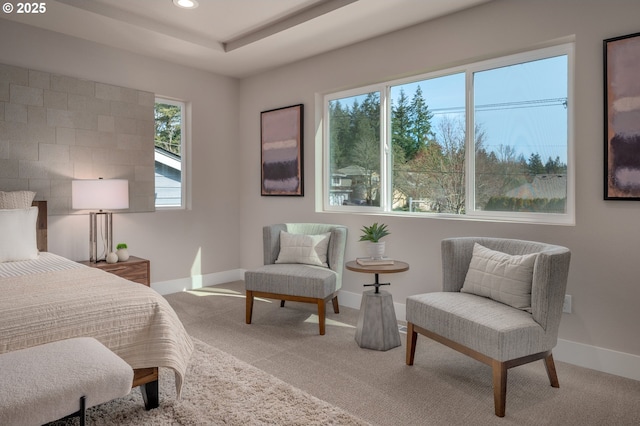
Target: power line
[534, 103]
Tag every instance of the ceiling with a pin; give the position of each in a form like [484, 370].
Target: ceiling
[237, 38]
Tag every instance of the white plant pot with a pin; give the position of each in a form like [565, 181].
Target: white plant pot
[112, 258]
[123, 255]
[376, 250]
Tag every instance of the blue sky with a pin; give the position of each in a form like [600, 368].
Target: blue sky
[520, 105]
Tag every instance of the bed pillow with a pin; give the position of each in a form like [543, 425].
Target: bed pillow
[302, 248]
[502, 277]
[16, 199]
[18, 231]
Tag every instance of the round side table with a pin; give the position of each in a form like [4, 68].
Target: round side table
[377, 325]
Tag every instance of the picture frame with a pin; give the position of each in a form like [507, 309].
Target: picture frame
[281, 143]
[622, 118]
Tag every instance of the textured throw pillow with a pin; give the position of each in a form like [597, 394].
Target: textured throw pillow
[18, 234]
[301, 248]
[502, 277]
[16, 199]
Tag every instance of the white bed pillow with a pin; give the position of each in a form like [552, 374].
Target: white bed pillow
[302, 248]
[16, 199]
[18, 239]
[499, 276]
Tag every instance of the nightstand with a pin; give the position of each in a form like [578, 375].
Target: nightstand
[134, 269]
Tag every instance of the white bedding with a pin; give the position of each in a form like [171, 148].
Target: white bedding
[46, 262]
[52, 298]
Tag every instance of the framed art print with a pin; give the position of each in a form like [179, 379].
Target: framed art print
[281, 144]
[622, 118]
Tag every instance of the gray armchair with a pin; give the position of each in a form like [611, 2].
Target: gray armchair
[479, 320]
[293, 272]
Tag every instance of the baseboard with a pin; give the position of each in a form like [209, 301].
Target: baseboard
[197, 281]
[580, 354]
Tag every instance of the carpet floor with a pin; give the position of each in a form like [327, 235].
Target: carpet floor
[443, 387]
[220, 390]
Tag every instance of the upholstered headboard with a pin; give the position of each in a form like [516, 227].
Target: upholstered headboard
[41, 225]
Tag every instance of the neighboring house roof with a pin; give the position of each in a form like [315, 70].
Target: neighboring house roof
[543, 186]
[168, 176]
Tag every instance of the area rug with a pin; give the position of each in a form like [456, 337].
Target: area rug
[220, 390]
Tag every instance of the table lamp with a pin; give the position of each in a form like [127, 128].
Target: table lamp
[100, 194]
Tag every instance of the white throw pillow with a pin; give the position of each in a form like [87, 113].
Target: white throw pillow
[502, 277]
[16, 199]
[302, 248]
[18, 234]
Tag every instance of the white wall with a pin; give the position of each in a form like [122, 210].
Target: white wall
[222, 232]
[181, 243]
[605, 241]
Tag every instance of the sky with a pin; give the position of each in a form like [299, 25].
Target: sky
[520, 105]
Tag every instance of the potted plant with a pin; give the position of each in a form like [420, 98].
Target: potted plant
[122, 252]
[373, 234]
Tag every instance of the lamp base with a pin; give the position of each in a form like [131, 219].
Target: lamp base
[107, 235]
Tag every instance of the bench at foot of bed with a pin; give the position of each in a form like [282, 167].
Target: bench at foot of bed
[45, 383]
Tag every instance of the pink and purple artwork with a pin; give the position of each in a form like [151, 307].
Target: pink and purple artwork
[622, 118]
[282, 172]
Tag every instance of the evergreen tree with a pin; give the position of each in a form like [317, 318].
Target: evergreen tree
[535, 166]
[420, 123]
[401, 128]
[168, 123]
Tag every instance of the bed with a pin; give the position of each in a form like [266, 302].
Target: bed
[47, 298]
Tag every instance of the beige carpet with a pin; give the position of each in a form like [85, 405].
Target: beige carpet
[220, 390]
[442, 388]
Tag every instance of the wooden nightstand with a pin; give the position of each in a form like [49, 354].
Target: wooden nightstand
[134, 269]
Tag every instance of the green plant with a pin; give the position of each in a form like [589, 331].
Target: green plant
[121, 246]
[374, 232]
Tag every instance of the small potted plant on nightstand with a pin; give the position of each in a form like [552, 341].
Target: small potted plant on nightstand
[373, 234]
[122, 252]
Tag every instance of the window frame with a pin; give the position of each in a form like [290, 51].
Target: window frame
[385, 208]
[184, 151]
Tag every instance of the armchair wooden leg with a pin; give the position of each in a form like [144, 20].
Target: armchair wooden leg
[499, 387]
[249, 298]
[551, 371]
[282, 303]
[321, 315]
[336, 307]
[412, 338]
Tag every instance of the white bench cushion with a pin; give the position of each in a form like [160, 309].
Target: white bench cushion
[44, 383]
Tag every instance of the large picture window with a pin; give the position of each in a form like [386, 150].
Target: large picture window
[488, 140]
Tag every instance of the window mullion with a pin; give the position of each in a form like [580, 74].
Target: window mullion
[470, 145]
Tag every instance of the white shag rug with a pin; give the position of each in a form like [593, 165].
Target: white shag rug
[220, 390]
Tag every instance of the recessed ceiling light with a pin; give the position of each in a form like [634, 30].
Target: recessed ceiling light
[186, 4]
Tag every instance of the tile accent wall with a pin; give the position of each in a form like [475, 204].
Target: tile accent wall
[54, 129]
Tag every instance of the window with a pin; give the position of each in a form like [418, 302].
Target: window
[487, 140]
[169, 153]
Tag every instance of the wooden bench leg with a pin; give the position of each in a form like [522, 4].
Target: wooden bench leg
[499, 387]
[249, 298]
[412, 338]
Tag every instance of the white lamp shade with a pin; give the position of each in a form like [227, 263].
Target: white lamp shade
[100, 194]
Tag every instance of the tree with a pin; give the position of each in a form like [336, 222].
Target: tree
[535, 166]
[420, 122]
[168, 124]
[401, 128]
